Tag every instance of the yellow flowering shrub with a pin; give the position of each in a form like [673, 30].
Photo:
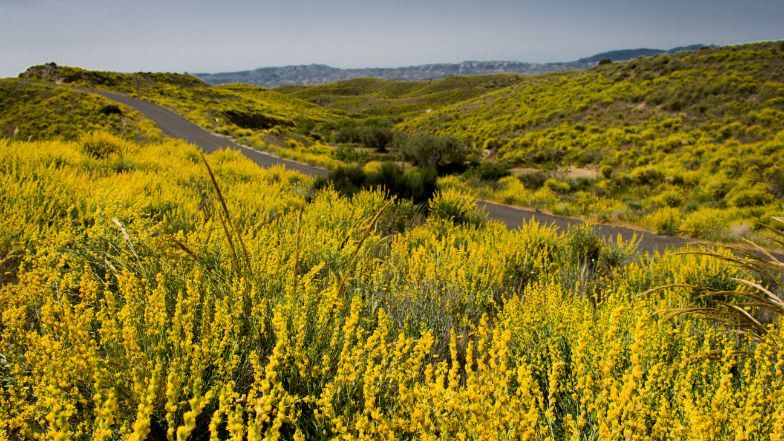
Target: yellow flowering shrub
[139, 303]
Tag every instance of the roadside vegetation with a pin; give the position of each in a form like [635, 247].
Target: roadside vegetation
[257, 117]
[147, 292]
[688, 144]
[34, 111]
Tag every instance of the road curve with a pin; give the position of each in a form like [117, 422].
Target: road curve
[175, 126]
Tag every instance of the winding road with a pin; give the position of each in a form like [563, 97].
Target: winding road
[175, 126]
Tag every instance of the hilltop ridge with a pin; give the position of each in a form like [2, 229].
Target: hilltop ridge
[323, 74]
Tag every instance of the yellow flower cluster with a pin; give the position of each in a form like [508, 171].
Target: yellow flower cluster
[134, 306]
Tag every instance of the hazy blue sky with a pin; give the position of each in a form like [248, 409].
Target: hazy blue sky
[209, 36]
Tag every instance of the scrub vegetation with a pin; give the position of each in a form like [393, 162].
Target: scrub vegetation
[689, 144]
[150, 293]
[258, 117]
[36, 111]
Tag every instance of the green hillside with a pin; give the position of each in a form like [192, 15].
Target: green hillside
[690, 143]
[394, 99]
[253, 115]
[39, 112]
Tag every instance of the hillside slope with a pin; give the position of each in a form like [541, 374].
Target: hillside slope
[256, 116]
[686, 143]
[36, 112]
[395, 99]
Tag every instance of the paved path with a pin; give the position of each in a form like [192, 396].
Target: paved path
[175, 126]
[514, 216]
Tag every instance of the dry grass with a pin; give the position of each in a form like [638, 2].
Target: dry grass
[756, 305]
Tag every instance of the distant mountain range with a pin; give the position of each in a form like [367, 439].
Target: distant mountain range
[322, 74]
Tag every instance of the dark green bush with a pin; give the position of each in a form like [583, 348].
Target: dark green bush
[348, 154]
[774, 178]
[400, 217]
[557, 185]
[534, 180]
[348, 134]
[583, 246]
[415, 183]
[487, 171]
[431, 151]
[646, 176]
[376, 137]
[110, 109]
[752, 197]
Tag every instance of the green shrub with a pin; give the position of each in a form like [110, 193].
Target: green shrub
[371, 136]
[487, 171]
[376, 137]
[774, 178]
[583, 246]
[400, 217]
[558, 186]
[668, 198]
[718, 188]
[110, 109]
[431, 151]
[347, 180]
[646, 175]
[348, 154]
[415, 183]
[706, 223]
[345, 135]
[750, 197]
[419, 184]
[533, 180]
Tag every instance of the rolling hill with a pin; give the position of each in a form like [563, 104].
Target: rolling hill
[214, 107]
[630, 54]
[689, 143]
[253, 115]
[395, 99]
[33, 111]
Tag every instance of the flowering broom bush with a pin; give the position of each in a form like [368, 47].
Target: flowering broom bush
[169, 300]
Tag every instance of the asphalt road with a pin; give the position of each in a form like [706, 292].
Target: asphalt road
[175, 126]
[514, 216]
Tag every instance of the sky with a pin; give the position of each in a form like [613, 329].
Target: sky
[229, 35]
